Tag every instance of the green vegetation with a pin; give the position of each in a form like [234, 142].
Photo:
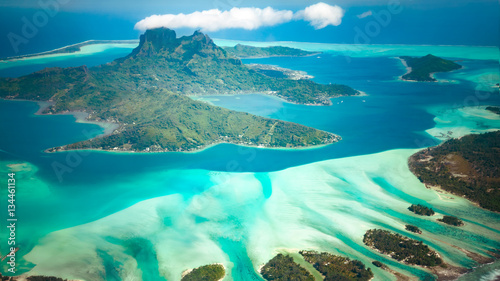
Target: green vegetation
[162, 121]
[195, 65]
[494, 109]
[31, 278]
[44, 278]
[245, 51]
[282, 268]
[421, 210]
[337, 267]
[413, 228]
[145, 93]
[211, 272]
[279, 72]
[401, 248]
[468, 167]
[451, 220]
[422, 68]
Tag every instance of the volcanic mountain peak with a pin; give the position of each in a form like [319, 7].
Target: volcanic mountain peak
[163, 41]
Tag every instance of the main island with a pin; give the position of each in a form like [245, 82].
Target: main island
[146, 94]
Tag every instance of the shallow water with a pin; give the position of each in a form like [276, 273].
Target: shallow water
[90, 55]
[487, 272]
[353, 50]
[152, 216]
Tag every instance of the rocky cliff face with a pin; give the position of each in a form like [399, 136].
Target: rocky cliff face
[153, 41]
[163, 42]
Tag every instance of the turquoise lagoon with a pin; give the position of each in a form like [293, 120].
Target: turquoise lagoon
[90, 55]
[119, 216]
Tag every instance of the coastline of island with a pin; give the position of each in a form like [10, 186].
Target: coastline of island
[111, 127]
[314, 265]
[442, 168]
[464, 166]
[280, 98]
[408, 70]
[80, 116]
[413, 253]
[193, 150]
[250, 52]
[69, 49]
[423, 69]
[209, 272]
[282, 56]
[281, 72]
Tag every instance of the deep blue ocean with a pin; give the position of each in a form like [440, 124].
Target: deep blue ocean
[393, 114]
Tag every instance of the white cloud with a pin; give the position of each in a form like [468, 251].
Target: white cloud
[365, 14]
[318, 15]
[321, 15]
[214, 19]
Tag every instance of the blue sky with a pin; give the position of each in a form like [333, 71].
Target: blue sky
[147, 7]
[448, 22]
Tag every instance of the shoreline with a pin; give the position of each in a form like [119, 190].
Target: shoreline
[344, 44]
[198, 150]
[187, 271]
[448, 273]
[416, 158]
[277, 97]
[329, 103]
[80, 116]
[431, 74]
[251, 43]
[409, 70]
[288, 73]
[60, 51]
[294, 253]
[444, 272]
[279, 56]
[110, 127]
